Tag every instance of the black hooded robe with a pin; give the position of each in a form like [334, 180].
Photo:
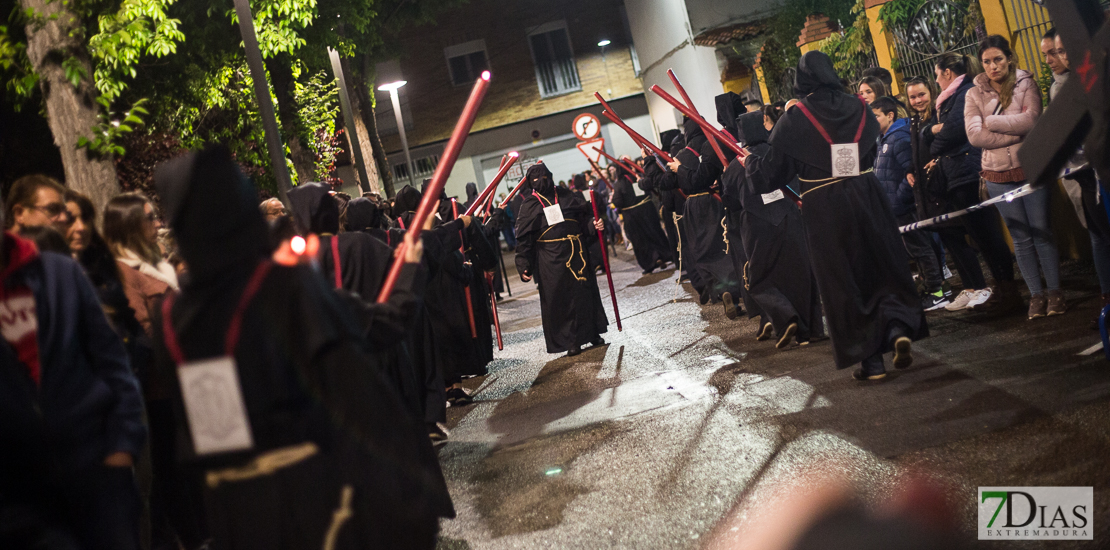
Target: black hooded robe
[854, 246]
[330, 437]
[703, 222]
[641, 224]
[777, 276]
[555, 255]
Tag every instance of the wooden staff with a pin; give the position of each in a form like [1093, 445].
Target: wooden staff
[605, 262]
[741, 153]
[462, 250]
[632, 169]
[439, 178]
[612, 116]
[493, 303]
[600, 173]
[690, 104]
[512, 193]
[488, 191]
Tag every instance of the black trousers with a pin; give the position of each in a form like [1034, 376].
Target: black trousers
[985, 229]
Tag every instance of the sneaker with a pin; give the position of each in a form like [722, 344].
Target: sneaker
[765, 333]
[437, 432]
[961, 301]
[787, 335]
[903, 357]
[934, 300]
[730, 306]
[1056, 303]
[458, 397]
[980, 297]
[859, 375]
[1038, 306]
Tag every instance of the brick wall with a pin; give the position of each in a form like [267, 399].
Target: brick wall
[514, 94]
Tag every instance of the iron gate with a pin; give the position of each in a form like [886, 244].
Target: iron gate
[938, 27]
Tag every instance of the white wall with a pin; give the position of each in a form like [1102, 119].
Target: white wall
[663, 38]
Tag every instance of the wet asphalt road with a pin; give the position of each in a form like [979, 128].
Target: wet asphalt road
[680, 431]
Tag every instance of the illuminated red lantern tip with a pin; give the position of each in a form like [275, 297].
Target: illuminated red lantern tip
[485, 75]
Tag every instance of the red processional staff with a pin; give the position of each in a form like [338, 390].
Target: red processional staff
[486, 198]
[699, 119]
[439, 178]
[492, 187]
[631, 168]
[605, 262]
[513, 193]
[462, 250]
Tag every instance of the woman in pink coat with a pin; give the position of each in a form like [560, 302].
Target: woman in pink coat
[1000, 110]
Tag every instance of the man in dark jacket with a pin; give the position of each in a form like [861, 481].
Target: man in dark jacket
[893, 163]
[71, 414]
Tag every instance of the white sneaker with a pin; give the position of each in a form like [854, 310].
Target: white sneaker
[980, 297]
[961, 301]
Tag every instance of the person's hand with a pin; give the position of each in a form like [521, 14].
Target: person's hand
[909, 178]
[119, 459]
[929, 167]
[431, 220]
[413, 249]
[525, 277]
[466, 220]
[673, 165]
[599, 224]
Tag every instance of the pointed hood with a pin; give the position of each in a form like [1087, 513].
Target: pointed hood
[314, 208]
[471, 192]
[213, 211]
[729, 106]
[540, 179]
[752, 131]
[407, 200]
[693, 134]
[815, 72]
[363, 214]
[667, 137]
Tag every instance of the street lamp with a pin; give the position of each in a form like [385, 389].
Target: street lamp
[604, 42]
[392, 88]
[601, 44]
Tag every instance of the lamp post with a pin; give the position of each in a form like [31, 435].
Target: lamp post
[601, 44]
[392, 88]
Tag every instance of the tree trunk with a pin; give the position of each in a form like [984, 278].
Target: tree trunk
[304, 159]
[364, 98]
[71, 111]
[360, 129]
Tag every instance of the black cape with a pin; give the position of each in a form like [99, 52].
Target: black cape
[570, 303]
[777, 276]
[856, 252]
[641, 224]
[703, 222]
[307, 383]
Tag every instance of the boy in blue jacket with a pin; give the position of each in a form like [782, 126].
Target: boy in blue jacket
[71, 413]
[893, 162]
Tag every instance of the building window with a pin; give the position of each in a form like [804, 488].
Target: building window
[556, 72]
[425, 166]
[466, 61]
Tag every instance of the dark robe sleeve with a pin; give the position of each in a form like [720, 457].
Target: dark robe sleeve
[731, 183]
[623, 194]
[771, 167]
[529, 225]
[386, 324]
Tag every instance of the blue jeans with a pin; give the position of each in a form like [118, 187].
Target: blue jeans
[1034, 243]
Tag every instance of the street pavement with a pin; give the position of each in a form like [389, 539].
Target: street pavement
[683, 431]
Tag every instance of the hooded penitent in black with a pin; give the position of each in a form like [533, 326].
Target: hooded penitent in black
[555, 256]
[328, 433]
[856, 252]
[661, 182]
[706, 245]
[778, 280]
[641, 223]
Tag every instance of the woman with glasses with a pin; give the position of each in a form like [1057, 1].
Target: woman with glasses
[131, 232]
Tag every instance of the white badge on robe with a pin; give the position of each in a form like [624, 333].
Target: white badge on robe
[588, 196]
[773, 196]
[554, 214]
[214, 406]
[845, 160]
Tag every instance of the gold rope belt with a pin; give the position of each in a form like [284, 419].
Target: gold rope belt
[578, 275]
[829, 181]
[747, 284]
[724, 234]
[698, 195]
[641, 203]
[263, 465]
